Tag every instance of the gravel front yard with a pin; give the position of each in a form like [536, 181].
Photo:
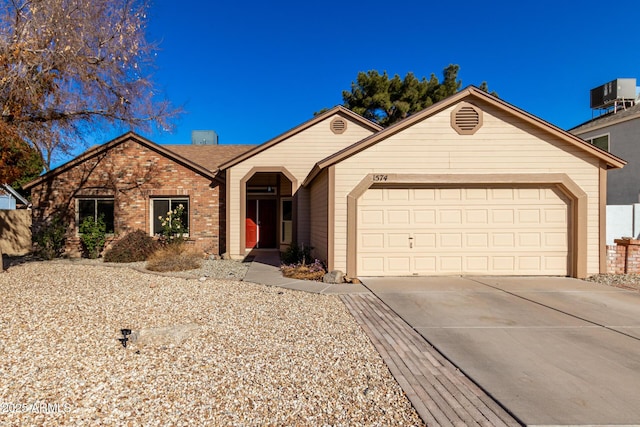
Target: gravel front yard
[626, 281]
[260, 355]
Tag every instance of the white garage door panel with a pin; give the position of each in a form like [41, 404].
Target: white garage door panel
[463, 231]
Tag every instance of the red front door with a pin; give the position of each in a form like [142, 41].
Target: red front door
[261, 223]
[252, 224]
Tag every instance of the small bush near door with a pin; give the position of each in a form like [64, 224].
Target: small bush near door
[298, 263]
[297, 254]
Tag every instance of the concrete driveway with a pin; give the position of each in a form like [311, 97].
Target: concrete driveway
[553, 351]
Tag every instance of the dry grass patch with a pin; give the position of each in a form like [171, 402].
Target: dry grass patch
[314, 271]
[175, 257]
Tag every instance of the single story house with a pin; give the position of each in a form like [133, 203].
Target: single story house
[131, 182]
[470, 185]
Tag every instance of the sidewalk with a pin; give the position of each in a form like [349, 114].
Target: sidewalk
[439, 392]
[265, 269]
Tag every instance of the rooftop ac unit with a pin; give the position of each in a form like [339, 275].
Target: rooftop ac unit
[204, 137]
[608, 94]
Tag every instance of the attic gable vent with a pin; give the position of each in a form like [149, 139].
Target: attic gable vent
[338, 125]
[466, 119]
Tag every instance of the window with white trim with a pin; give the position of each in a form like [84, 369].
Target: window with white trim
[96, 208]
[163, 208]
[601, 141]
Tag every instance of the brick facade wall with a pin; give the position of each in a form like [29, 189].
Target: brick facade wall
[624, 257]
[133, 174]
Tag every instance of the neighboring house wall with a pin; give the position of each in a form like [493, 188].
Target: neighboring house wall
[623, 230]
[623, 221]
[10, 199]
[15, 232]
[7, 202]
[623, 185]
[503, 145]
[297, 154]
[133, 174]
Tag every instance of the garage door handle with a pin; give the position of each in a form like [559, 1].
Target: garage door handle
[410, 242]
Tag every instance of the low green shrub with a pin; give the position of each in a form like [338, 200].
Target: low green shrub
[297, 254]
[50, 238]
[175, 257]
[133, 247]
[93, 235]
[298, 263]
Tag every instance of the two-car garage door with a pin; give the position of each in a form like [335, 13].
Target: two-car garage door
[473, 230]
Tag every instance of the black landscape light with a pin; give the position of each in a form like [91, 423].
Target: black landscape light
[124, 339]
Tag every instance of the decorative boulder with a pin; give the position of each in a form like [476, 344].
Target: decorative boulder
[166, 336]
[335, 276]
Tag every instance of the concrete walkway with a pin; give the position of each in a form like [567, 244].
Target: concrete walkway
[440, 393]
[265, 269]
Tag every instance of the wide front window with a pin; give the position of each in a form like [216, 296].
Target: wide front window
[95, 209]
[165, 209]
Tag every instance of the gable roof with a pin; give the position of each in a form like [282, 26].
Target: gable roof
[466, 94]
[339, 109]
[209, 156]
[608, 119]
[167, 151]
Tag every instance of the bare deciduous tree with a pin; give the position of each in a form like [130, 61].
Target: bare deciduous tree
[69, 67]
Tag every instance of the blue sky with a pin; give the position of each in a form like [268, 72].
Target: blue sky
[252, 70]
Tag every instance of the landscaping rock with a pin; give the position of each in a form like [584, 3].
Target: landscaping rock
[163, 336]
[335, 276]
[258, 357]
[627, 281]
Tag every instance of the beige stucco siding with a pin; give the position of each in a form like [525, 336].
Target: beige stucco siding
[302, 218]
[503, 145]
[15, 233]
[297, 154]
[319, 193]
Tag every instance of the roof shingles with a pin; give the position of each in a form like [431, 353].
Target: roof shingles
[607, 119]
[209, 156]
[204, 159]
